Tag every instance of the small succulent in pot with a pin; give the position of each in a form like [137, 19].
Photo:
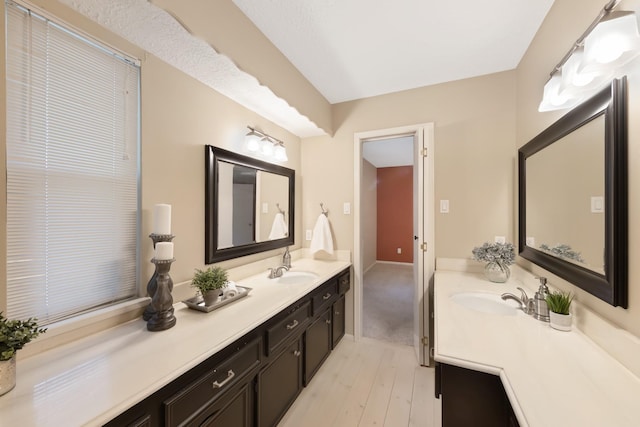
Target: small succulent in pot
[15, 334]
[559, 316]
[209, 282]
[559, 302]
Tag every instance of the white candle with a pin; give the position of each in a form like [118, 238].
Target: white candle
[162, 219]
[164, 250]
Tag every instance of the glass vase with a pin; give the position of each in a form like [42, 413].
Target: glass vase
[497, 272]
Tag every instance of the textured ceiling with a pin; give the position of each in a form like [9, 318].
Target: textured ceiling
[352, 49]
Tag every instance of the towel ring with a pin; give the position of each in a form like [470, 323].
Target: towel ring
[324, 212]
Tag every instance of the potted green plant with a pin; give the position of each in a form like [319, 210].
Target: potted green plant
[14, 334]
[559, 303]
[210, 282]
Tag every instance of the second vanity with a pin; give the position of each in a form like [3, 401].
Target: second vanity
[242, 363]
[531, 374]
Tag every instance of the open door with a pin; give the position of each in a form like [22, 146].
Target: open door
[423, 238]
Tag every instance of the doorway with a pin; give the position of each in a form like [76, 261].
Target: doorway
[387, 235]
[420, 270]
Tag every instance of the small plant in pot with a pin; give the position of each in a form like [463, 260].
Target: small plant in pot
[14, 334]
[559, 303]
[210, 282]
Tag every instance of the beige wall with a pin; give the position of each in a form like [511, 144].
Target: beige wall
[474, 158]
[565, 22]
[179, 116]
[369, 201]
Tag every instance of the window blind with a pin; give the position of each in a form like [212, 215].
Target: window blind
[72, 171]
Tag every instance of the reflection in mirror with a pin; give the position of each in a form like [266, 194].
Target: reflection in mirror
[572, 196]
[248, 205]
[565, 197]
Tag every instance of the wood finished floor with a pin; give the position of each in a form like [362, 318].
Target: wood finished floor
[368, 383]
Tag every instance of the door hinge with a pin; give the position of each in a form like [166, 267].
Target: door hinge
[425, 341]
[423, 152]
[423, 246]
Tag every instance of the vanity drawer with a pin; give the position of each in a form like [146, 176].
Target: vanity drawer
[191, 400]
[344, 282]
[291, 323]
[324, 296]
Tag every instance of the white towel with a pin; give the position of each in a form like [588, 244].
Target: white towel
[322, 239]
[279, 228]
[229, 291]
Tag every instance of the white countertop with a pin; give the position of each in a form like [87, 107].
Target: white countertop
[552, 378]
[92, 380]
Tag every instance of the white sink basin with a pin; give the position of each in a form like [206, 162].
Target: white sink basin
[297, 277]
[486, 303]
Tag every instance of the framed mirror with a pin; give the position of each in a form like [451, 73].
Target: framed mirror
[573, 196]
[249, 205]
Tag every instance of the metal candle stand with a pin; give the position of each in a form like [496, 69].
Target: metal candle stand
[151, 286]
[162, 301]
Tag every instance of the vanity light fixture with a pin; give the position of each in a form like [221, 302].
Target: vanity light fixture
[610, 42]
[258, 142]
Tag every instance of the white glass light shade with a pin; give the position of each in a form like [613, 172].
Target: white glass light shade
[266, 147]
[614, 42]
[576, 81]
[280, 153]
[554, 97]
[252, 141]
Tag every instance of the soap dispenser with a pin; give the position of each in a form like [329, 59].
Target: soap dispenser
[541, 309]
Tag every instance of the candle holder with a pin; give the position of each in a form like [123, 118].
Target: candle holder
[151, 286]
[162, 301]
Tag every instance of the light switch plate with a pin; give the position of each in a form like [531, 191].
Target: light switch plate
[597, 204]
[308, 235]
[347, 208]
[265, 207]
[444, 206]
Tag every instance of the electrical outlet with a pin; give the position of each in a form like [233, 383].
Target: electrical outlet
[308, 235]
[500, 239]
[444, 206]
[346, 208]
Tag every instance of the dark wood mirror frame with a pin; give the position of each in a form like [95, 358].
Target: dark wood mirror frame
[211, 252]
[612, 285]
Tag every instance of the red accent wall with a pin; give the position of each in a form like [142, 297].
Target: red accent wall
[395, 214]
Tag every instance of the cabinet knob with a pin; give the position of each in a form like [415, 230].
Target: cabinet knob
[337, 313]
[326, 296]
[328, 321]
[230, 376]
[297, 353]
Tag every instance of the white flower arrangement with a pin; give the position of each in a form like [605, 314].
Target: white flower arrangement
[502, 253]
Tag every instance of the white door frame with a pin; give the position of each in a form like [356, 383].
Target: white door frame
[421, 131]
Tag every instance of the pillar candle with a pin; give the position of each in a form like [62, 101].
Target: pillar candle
[164, 250]
[162, 219]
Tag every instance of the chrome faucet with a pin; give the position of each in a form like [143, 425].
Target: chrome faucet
[286, 258]
[276, 272]
[526, 303]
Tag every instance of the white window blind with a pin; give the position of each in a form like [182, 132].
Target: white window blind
[72, 171]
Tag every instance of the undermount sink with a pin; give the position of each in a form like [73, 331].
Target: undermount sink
[297, 277]
[485, 303]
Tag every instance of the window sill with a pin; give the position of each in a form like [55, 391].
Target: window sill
[84, 325]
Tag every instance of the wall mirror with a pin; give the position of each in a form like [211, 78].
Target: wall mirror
[249, 205]
[573, 196]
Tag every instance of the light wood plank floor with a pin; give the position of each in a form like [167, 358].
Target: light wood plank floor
[368, 383]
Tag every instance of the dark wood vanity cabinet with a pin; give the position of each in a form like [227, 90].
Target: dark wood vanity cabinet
[318, 344]
[252, 382]
[472, 398]
[279, 383]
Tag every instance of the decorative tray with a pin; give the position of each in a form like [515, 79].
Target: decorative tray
[197, 303]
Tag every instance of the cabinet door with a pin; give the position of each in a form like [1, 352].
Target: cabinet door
[338, 320]
[234, 409]
[471, 398]
[279, 384]
[317, 345]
